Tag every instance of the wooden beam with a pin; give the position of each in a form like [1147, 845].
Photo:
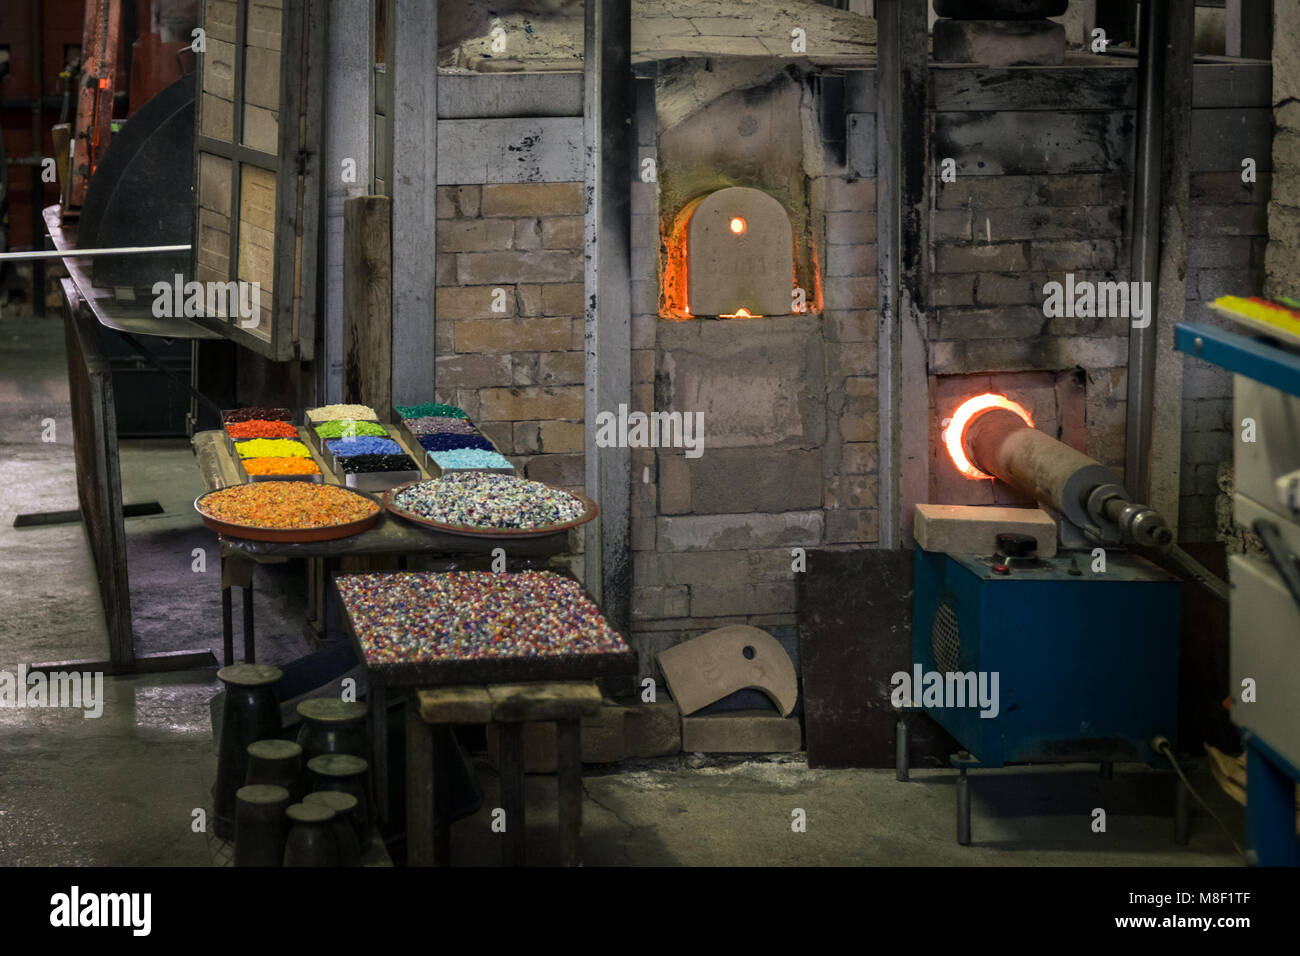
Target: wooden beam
[903, 389]
[345, 172]
[366, 333]
[608, 145]
[413, 62]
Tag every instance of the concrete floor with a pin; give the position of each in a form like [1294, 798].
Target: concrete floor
[122, 789]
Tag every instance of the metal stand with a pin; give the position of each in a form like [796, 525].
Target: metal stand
[963, 808]
[901, 755]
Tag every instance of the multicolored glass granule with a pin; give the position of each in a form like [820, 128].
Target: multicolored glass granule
[261, 412]
[434, 425]
[280, 466]
[370, 464]
[260, 428]
[489, 501]
[330, 413]
[430, 410]
[287, 505]
[448, 442]
[409, 617]
[459, 458]
[272, 448]
[350, 428]
[364, 445]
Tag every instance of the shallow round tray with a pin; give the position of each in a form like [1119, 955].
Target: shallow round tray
[505, 533]
[291, 535]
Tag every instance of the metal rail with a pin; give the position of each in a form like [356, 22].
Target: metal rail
[82, 253]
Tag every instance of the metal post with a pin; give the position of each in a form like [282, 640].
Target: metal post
[963, 808]
[607, 141]
[1145, 260]
[38, 140]
[902, 147]
[902, 766]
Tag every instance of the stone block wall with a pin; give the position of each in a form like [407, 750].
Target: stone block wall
[1049, 194]
[789, 402]
[510, 320]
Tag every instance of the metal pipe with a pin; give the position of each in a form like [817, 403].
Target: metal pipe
[38, 185]
[82, 253]
[1085, 492]
[1153, 35]
[999, 443]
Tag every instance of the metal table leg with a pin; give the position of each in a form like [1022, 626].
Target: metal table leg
[227, 628]
[963, 808]
[902, 766]
[248, 625]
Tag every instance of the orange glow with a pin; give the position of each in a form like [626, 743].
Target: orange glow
[967, 412]
[737, 225]
[740, 314]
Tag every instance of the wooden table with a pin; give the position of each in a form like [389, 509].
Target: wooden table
[430, 716]
[391, 536]
[506, 690]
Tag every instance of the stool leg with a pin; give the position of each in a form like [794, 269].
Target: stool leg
[419, 787]
[442, 756]
[227, 628]
[568, 750]
[248, 625]
[511, 754]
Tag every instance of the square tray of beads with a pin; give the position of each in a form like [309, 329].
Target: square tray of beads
[481, 626]
[253, 429]
[333, 413]
[321, 432]
[288, 511]
[337, 450]
[490, 505]
[378, 472]
[257, 413]
[278, 469]
[270, 448]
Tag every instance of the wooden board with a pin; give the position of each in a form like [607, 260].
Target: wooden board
[367, 303]
[484, 96]
[521, 150]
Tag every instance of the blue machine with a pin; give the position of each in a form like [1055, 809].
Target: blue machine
[1086, 664]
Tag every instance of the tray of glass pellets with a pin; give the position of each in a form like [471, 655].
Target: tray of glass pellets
[427, 628]
[447, 441]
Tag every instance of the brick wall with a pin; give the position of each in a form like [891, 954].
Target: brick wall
[1016, 218]
[1226, 241]
[790, 408]
[995, 242]
[518, 372]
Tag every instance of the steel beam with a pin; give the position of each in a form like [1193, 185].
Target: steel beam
[608, 149]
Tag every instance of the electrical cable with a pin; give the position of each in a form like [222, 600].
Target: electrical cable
[1161, 746]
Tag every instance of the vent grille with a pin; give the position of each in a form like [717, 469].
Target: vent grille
[945, 640]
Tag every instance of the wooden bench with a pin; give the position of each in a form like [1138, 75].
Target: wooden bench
[430, 715]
